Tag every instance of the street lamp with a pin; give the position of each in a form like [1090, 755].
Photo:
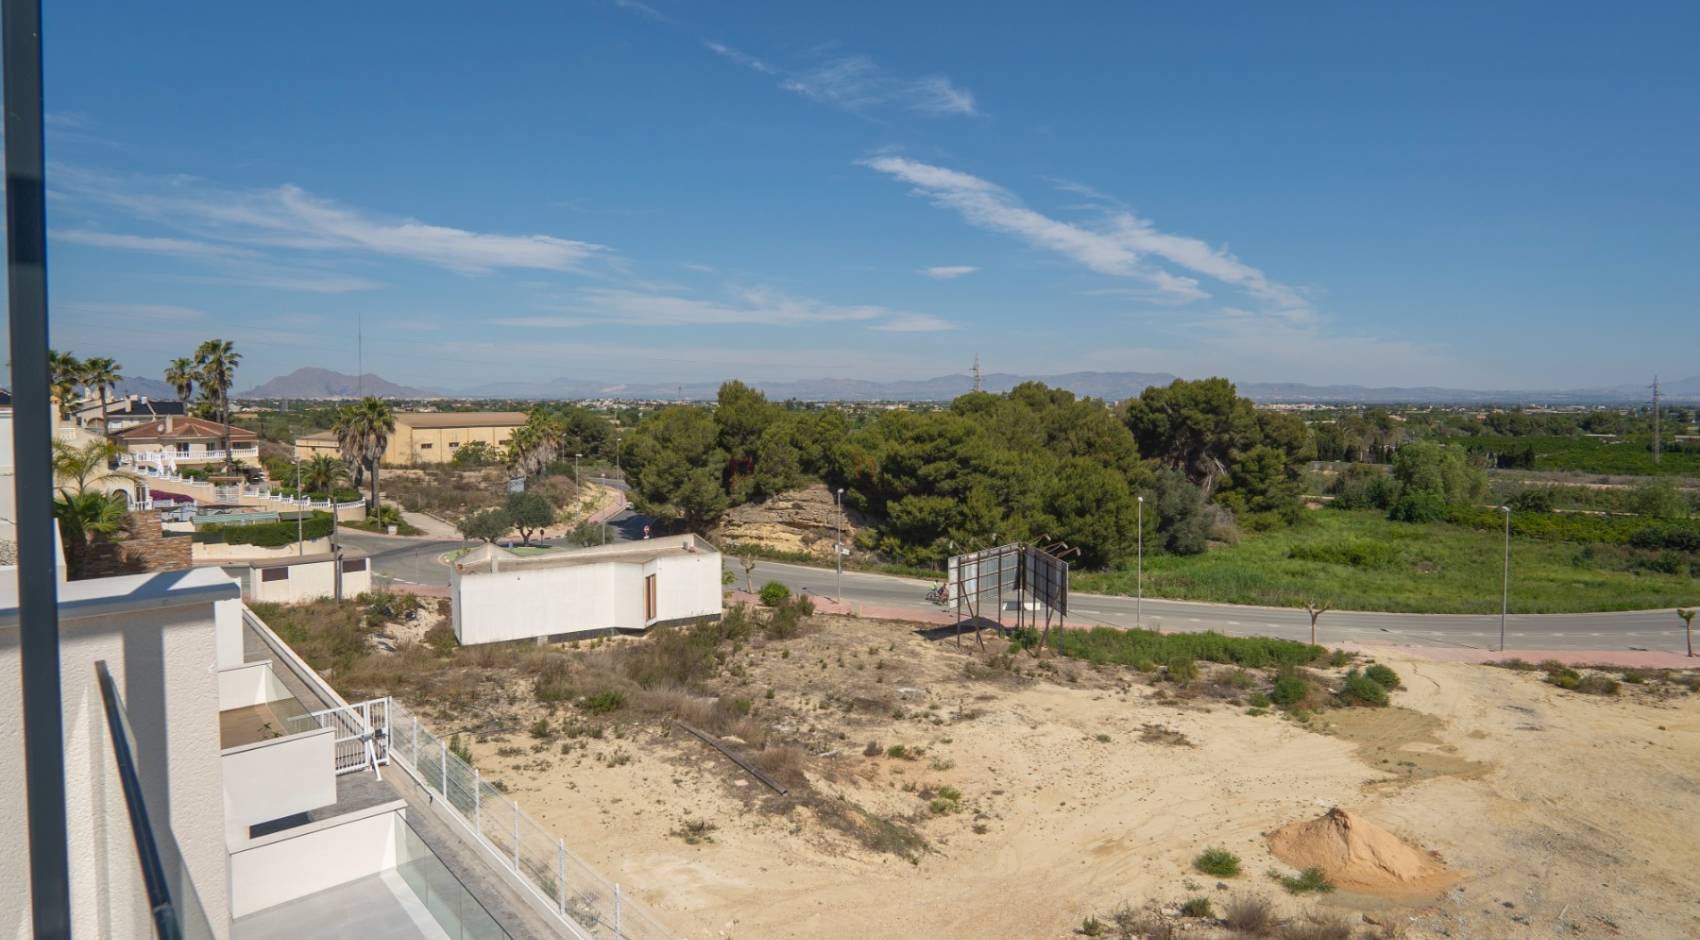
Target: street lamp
[576, 482]
[1505, 589]
[838, 539]
[1139, 598]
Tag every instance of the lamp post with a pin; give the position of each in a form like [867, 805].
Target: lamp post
[576, 483]
[300, 544]
[1505, 588]
[838, 540]
[1139, 598]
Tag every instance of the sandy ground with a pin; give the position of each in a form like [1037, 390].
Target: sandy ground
[1569, 815]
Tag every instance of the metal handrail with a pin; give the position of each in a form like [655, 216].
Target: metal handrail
[147, 849]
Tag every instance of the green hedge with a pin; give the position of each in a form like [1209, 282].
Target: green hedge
[1136, 647]
[272, 534]
[1683, 535]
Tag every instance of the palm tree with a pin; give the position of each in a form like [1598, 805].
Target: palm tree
[101, 375]
[216, 360]
[81, 517]
[535, 444]
[349, 446]
[364, 429]
[182, 375]
[321, 474]
[65, 373]
[88, 463]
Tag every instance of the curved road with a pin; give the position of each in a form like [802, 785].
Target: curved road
[416, 561]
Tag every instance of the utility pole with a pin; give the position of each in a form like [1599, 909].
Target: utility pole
[838, 540]
[1505, 589]
[977, 384]
[1139, 599]
[1658, 442]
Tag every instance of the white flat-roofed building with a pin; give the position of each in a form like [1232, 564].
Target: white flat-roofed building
[626, 587]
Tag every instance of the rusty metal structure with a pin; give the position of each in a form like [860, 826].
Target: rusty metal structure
[1029, 580]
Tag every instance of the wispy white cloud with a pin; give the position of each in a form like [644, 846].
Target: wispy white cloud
[178, 247]
[644, 10]
[748, 306]
[914, 323]
[742, 58]
[131, 312]
[945, 272]
[857, 83]
[1122, 245]
[290, 217]
[290, 279]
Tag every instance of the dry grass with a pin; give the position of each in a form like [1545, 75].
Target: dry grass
[1250, 916]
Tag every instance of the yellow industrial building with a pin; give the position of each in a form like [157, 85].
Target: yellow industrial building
[427, 436]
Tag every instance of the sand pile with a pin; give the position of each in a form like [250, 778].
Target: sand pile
[1358, 855]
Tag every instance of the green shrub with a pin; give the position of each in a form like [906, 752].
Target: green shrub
[1218, 862]
[1257, 700]
[1091, 927]
[553, 682]
[540, 729]
[1362, 690]
[1141, 648]
[773, 594]
[1564, 677]
[441, 640]
[1383, 676]
[1183, 671]
[1596, 684]
[268, 534]
[460, 749]
[1357, 553]
[1197, 907]
[1309, 881]
[1289, 689]
[605, 701]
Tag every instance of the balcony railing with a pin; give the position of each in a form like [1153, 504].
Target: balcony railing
[172, 904]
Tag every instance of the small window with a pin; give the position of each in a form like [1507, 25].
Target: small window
[274, 574]
[350, 565]
[424, 446]
[453, 444]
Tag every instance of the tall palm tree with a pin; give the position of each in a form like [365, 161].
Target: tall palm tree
[364, 429]
[349, 446]
[101, 374]
[535, 444]
[91, 462]
[322, 473]
[65, 373]
[182, 375]
[216, 360]
[81, 517]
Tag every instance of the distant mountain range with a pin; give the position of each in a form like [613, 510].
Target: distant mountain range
[1112, 386]
[323, 383]
[147, 388]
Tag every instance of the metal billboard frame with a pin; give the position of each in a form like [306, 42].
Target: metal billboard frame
[1036, 579]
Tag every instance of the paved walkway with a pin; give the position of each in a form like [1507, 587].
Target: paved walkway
[430, 526]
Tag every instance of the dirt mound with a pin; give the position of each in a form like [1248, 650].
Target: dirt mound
[1358, 855]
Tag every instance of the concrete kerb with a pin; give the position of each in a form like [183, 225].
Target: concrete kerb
[1648, 659]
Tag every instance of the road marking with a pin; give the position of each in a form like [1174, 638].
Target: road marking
[1082, 610]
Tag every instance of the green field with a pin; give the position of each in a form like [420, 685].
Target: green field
[1363, 561]
[1629, 455]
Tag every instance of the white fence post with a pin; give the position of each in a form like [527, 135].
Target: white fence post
[516, 836]
[443, 782]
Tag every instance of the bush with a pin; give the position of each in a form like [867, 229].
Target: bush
[1362, 690]
[1418, 507]
[1250, 916]
[773, 594]
[269, 534]
[1133, 647]
[605, 701]
[1183, 671]
[1218, 862]
[1309, 881]
[441, 640]
[1383, 676]
[553, 682]
[1358, 553]
[1290, 689]
[540, 729]
[1197, 907]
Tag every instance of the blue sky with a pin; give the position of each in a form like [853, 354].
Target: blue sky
[1478, 195]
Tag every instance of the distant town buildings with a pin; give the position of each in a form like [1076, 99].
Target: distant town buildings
[427, 436]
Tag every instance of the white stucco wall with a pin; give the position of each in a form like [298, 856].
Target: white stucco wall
[224, 551]
[297, 862]
[272, 779]
[521, 602]
[249, 684]
[155, 633]
[305, 582]
[227, 632]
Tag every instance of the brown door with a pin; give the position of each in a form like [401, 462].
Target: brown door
[649, 597]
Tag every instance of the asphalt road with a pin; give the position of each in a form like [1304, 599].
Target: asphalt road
[418, 561]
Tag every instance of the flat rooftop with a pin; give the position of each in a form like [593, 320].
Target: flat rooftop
[485, 557]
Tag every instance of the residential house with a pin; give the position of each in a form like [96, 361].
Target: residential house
[126, 412]
[179, 440]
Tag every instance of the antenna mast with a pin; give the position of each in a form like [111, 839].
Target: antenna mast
[359, 356]
[1658, 443]
[977, 386]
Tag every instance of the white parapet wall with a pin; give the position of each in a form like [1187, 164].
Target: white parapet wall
[294, 863]
[626, 588]
[292, 580]
[249, 684]
[280, 777]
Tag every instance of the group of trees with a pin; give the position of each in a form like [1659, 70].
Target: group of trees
[93, 377]
[528, 513]
[1034, 463]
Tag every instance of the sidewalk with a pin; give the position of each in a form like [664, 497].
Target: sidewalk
[431, 526]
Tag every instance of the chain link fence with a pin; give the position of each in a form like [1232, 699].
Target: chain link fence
[590, 903]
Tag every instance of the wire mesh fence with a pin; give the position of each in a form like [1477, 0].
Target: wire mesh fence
[580, 895]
